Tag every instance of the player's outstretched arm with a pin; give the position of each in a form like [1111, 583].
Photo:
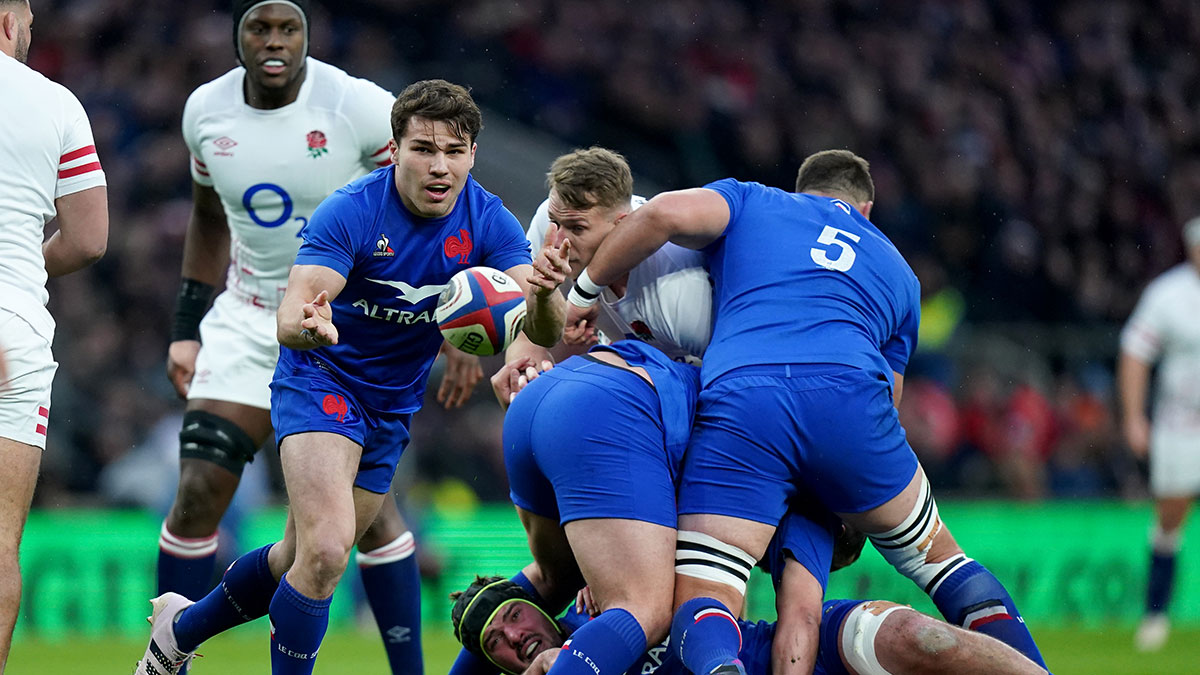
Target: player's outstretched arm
[82, 235]
[797, 633]
[305, 318]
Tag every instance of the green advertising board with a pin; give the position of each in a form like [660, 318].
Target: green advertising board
[92, 572]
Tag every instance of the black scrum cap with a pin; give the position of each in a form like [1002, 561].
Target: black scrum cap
[243, 7]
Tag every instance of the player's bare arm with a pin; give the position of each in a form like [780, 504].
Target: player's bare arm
[897, 388]
[545, 310]
[82, 235]
[205, 258]
[691, 218]
[1133, 381]
[305, 319]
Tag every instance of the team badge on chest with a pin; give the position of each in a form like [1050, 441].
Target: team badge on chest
[316, 144]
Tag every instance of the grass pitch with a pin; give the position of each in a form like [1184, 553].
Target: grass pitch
[244, 650]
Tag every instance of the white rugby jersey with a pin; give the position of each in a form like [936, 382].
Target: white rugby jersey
[272, 168]
[1166, 324]
[667, 303]
[46, 152]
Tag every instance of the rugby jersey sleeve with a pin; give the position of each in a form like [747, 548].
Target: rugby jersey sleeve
[506, 245]
[899, 348]
[1146, 330]
[78, 164]
[192, 111]
[369, 110]
[330, 238]
[734, 193]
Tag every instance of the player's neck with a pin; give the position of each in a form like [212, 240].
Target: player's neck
[263, 98]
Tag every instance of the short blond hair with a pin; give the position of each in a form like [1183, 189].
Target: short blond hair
[592, 177]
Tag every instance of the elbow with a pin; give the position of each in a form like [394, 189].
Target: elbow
[93, 252]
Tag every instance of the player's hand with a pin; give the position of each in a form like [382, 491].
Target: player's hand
[585, 603]
[542, 662]
[1137, 435]
[582, 333]
[181, 365]
[513, 376]
[459, 378]
[580, 319]
[317, 325]
[552, 264]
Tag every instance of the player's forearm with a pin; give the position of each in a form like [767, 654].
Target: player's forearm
[288, 330]
[634, 239]
[206, 252]
[1133, 380]
[544, 318]
[64, 255]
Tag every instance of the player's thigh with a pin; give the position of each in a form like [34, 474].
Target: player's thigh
[626, 563]
[387, 525]
[17, 482]
[367, 506]
[255, 422]
[552, 553]
[1174, 465]
[319, 469]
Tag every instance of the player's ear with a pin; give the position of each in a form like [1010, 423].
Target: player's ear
[473, 147]
[394, 150]
[865, 209]
[9, 21]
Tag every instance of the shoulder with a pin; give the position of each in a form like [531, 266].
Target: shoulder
[483, 201]
[334, 88]
[216, 96]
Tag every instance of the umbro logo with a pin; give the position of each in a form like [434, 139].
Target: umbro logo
[224, 144]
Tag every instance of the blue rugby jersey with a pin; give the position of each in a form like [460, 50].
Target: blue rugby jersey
[396, 264]
[804, 279]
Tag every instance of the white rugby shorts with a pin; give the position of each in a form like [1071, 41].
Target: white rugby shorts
[25, 398]
[238, 351]
[1174, 463]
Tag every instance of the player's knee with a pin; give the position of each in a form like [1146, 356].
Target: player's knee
[920, 547]
[214, 439]
[324, 560]
[711, 560]
[927, 637]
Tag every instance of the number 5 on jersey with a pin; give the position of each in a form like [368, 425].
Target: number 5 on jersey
[845, 258]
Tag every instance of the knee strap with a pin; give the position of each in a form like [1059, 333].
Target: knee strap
[215, 439]
[703, 557]
[906, 546]
[858, 638]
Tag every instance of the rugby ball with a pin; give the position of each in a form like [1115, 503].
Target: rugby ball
[481, 311]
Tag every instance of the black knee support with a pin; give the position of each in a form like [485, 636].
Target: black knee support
[215, 439]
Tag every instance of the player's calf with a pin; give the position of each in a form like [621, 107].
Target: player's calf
[922, 549]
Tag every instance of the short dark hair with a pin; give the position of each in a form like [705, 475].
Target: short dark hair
[440, 101]
[837, 172]
[593, 177]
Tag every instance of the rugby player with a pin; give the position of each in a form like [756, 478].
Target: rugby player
[50, 172]
[343, 392]
[269, 140]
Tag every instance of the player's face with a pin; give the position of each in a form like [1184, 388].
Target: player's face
[517, 634]
[273, 45]
[585, 228]
[432, 164]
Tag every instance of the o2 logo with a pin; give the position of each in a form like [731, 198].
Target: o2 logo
[284, 205]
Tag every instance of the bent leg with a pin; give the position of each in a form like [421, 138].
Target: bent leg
[319, 469]
[883, 638]
[387, 563]
[17, 482]
[713, 559]
[908, 532]
[216, 441]
[627, 566]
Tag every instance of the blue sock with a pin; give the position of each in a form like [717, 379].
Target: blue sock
[1162, 578]
[393, 585]
[185, 566]
[244, 594]
[972, 597]
[607, 645]
[298, 625]
[704, 635]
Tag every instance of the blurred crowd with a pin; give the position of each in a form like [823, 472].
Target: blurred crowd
[1032, 160]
